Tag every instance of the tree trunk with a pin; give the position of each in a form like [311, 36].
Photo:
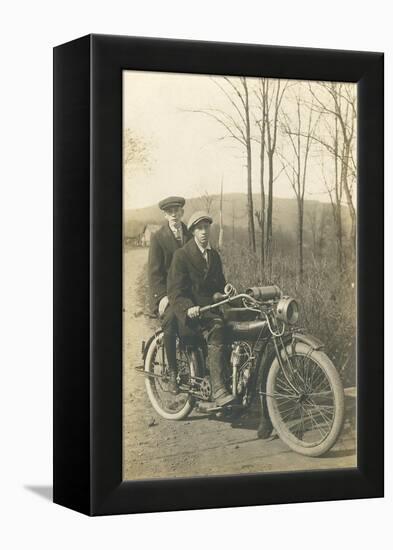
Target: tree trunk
[250, 206]
[338, 190]
[321, 232]
[339, 236]
[262, 219]
[233, 222]
[300, 238]
[348, 196]
[221, 234]
[269, 220]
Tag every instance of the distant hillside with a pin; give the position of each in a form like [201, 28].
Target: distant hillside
[235, 212]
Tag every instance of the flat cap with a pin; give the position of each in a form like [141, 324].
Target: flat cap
[197, 217]
[171, 201]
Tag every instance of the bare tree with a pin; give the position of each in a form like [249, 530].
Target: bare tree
[238, 127]
[235, 218]
[206, 200]
[295, 162]
[270, 94]
[136, 156]
[317, 222]
[335, 192]
[221, 234]
[134, 151]
[338, 104]
[250, 208]
[321, 231]
[261, 122]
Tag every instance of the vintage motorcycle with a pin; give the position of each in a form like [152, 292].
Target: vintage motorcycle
[272, 364]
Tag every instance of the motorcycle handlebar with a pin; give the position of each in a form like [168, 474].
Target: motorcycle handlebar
[227, 300]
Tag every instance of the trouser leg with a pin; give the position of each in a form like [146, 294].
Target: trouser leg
[217, 358]
[170, 349]
[170, 345]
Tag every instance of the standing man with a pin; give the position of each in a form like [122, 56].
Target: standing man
[194, 276]
[171, 236]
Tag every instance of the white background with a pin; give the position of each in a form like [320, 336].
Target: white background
[29, 30]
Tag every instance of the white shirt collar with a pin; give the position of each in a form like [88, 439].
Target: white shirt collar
[203, 250]
[177, 231]
[173, 227]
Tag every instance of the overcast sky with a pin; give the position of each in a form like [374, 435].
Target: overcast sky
[188, 152]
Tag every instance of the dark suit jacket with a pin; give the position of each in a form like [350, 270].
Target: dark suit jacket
[191, 282]
[162, 247]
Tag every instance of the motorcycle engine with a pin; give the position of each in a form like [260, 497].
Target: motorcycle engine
[241, 361]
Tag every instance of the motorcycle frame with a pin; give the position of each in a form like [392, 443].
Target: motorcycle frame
[88, 444]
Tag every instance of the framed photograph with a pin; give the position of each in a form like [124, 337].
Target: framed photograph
[218, 275]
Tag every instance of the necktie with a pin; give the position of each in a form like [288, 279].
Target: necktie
[176, 232]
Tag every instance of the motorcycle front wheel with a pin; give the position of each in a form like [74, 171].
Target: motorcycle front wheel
[164, 402]
[305, 400]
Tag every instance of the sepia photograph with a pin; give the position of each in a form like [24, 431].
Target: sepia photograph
[239, 275]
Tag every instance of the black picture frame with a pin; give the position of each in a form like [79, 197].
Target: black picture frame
[88, 274]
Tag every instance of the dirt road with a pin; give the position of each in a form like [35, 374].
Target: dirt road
[154, 447]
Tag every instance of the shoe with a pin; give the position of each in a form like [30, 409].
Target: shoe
[224, 398]
[172, 384]
[265, 428]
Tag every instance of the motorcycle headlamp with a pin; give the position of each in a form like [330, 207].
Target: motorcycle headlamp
[288, 310]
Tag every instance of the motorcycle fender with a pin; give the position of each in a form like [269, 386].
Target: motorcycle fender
[146, 345]
[308, 339]
[269, 353]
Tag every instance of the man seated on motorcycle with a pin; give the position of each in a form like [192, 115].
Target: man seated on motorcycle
[171, 236]
[194, 276]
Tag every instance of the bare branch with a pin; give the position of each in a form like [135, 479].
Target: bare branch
[233, 103]
[218, 119]
[230, 82]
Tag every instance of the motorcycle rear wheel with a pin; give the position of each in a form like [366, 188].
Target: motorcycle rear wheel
[165, 403]
[306, 404]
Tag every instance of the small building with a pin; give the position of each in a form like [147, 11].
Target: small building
[132, 233]
[131, 241]
[145, 236]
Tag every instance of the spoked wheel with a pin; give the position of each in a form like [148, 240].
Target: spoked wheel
[306, 402]
[167, 404]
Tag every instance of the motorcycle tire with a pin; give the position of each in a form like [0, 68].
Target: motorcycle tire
[170, 407]
[306, 407]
